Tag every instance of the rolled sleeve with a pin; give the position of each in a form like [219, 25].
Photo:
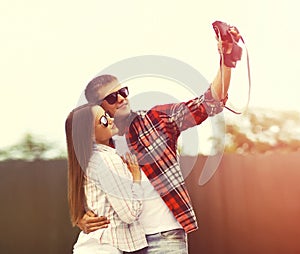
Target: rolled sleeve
[211, 105]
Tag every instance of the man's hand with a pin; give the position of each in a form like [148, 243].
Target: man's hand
[225, 47]
[91, 222]
[228, 38]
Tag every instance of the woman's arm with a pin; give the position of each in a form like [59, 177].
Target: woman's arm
[112, 176]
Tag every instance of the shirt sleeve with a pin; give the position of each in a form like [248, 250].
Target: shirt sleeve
[109, 173]
[184, 115]
[211, 105]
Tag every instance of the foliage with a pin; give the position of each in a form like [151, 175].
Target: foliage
[31, 148]
[262, 130]
[257, 131]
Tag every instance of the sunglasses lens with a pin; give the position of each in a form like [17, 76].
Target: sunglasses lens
[124, 92]
[104, 121]
[112, 98]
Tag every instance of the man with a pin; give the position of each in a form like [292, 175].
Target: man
[152, 136]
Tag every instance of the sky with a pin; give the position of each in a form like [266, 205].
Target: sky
[51, 49]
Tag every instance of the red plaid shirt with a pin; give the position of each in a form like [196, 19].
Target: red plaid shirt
[152, 135]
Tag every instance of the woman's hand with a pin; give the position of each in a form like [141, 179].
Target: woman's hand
[133, 167]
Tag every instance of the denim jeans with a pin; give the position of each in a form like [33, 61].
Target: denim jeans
[167, 242]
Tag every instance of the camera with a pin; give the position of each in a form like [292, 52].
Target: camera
[222, 31]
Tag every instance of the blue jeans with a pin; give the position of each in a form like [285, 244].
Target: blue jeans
[167, 242]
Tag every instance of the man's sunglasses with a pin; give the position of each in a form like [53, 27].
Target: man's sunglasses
[113, 97]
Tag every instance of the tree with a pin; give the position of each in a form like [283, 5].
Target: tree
[262, 130]
[31, 148]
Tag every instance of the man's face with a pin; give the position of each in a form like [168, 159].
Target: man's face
[121, 107]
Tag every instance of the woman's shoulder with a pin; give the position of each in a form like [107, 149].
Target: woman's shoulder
[104, 159]
[103, 153]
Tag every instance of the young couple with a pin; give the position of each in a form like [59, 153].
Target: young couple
[137, 203]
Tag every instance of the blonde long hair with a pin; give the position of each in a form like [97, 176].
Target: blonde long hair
[79, 127]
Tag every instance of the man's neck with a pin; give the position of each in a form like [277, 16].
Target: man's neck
[122, 122]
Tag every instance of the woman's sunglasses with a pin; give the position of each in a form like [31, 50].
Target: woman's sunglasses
[103, 120]
[113, 97]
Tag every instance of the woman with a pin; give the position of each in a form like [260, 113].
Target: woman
[100, 181]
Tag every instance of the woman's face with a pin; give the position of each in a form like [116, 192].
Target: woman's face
[104, 125]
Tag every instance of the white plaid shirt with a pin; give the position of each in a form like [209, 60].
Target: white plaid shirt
[110, 191]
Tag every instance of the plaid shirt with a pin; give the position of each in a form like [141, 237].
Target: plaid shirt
[110, 191]
[153, 134]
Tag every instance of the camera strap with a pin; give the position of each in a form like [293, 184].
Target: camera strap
[249, 77]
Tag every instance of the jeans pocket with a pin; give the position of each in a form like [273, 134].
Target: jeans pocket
[175, 234]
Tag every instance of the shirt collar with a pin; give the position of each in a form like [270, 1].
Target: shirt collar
[101, 147]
